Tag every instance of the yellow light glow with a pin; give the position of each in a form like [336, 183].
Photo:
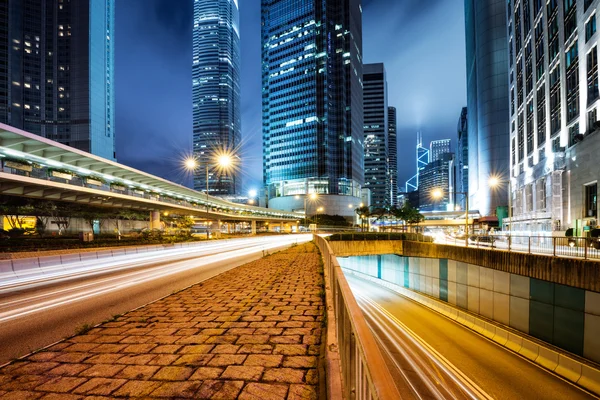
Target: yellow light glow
[313, 196]
[225, 160]
[191, 163]
[437, 193]
[494, 181]
[362, 204]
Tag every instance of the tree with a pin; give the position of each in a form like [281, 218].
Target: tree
[412, 215]
[15, 209]
[363, 213]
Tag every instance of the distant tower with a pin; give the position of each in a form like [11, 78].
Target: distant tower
[422, 160]
[393, 155]
[57, 70]
[216, 91]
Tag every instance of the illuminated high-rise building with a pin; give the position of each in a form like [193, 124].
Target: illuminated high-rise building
[393, 155]
[487, 101]
[56, 71]
[216, 93]
[312, 104]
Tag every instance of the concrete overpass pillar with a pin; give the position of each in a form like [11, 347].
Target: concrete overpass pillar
[253, 227]
[155, 220]
[228, 228]
[218, 232]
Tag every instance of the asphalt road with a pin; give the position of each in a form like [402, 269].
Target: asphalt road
[432, 357]
[42, 310]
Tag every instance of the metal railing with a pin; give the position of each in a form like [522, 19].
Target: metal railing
[561, 246]
[364, 372]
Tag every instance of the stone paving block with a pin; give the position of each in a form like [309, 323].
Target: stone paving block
[136, 388]
[173, 373]
[177, 389]
[22, 395]
[243, 372]
[221, 360]
[137, 372]
[100, 386]
[225, 349]
[61, 384]
[264, 391]
[218, 389]
[302, 392]
[68, 369]
[204, 373]
[284, 375]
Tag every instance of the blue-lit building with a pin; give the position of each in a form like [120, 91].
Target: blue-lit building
[487, 101]
[312, 104]
[56, 71]
[216, 92]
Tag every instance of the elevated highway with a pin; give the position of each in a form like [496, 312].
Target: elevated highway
[36, 167]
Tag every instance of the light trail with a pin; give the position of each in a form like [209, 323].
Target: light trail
[50, 299]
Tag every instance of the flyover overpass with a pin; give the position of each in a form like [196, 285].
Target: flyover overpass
[36, 167]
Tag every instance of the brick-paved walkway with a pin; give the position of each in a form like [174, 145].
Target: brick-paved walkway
[251, 333]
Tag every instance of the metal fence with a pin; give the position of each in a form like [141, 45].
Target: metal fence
[364, 371]
[562, 246]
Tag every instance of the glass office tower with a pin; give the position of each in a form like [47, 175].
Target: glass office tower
[312, 104]
[487, 101]
[56, 71]
[376, 138]
[216, 93]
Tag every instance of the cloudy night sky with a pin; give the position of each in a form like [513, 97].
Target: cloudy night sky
[420, 42]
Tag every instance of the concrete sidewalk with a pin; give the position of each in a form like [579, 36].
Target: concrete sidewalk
[250, 333]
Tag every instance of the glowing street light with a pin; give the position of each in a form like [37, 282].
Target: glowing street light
[496, 182]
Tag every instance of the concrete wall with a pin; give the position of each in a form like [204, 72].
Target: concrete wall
[562, 315]
[583, 274]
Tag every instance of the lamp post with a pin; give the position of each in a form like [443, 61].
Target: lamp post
[224, 161]
[437, 194]
[312, 197]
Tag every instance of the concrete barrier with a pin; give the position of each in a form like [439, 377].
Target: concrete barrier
[88, 255]
[529, 349]
[70, 258]
[6, 270]
[568, 368]
[514, 342]
[131, 250]
[590, 379]
[51, 264]
[118, 252]
[104, 253]
[26, 267]
[547, 358]
[501, 336]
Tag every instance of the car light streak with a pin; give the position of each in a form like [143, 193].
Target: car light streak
[117, 263]
[88, 290]
[386, 322]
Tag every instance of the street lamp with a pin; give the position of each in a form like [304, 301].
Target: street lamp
[437, 194]
[312, 197]
[494, 183]
[224, 161]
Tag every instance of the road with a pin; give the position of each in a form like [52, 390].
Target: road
[433, 357]
[41, 310]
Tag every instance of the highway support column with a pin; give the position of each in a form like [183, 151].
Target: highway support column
[253, 228]
[154, 220]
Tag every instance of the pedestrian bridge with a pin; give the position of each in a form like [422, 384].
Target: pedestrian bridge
[36, 167]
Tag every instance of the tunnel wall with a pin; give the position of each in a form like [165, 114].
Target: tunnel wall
[563, 315]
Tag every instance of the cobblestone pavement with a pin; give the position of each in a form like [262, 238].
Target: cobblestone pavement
[250, 333]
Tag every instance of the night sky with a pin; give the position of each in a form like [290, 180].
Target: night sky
[420, 42]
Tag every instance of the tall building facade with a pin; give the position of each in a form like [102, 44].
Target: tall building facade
[437, 148]
[422, 157]
[554, 102]
[56, 71]
[376, 137]
[312, 104]
[462, 159]
[216, 94]
[436, 176]
[487, 101]
[393, 154]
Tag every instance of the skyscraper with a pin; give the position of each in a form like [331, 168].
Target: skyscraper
[56, 71]
[393, 155]
[312, 104]
[487, 101]
[216, 92]
[437, 148]
[554, 101]
[462, 158]
[376, 135]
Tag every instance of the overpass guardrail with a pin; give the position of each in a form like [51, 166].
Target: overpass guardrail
[362, 372]
[587, 248]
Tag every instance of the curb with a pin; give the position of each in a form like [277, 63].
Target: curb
[574, 371]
